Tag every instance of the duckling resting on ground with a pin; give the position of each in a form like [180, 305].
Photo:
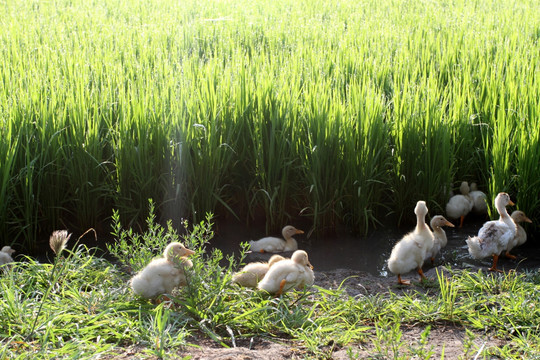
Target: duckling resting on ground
[164, 274]
[494, 235]
[439, 236]
[287, 274]
[409, 253]
[275, 244]
[521, 236]
[252, 273]
[5, 255]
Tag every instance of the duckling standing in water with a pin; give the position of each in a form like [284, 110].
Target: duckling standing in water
[409, 253]
[495, 235]
[274, 244]
[479, 200]
[521, 236]
[439, 236]
[460, 205]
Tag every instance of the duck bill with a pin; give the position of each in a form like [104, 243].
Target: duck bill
[189, 252]
[448, 223]
[527, 220]
[511, 203]
[310, 266]
[299, 231]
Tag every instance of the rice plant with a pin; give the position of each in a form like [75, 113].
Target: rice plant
[340, 113]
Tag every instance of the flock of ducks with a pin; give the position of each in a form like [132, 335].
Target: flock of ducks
[494, 237]
[279, 274]
[162, 275]
[276, 276]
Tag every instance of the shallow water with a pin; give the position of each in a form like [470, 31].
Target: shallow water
[369, 253]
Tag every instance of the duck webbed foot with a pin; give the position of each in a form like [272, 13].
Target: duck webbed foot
[421, 273]
[402, 282]
[494, 266]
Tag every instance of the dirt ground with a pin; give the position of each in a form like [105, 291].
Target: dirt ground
[445, 339]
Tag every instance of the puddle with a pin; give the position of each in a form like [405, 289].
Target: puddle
[370, 253]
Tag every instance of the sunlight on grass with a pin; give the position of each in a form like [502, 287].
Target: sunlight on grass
[334, 113]
[337, 112]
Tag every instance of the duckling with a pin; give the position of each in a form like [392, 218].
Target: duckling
[494, 235]
[409, 253]
[521, 236]
[479, 200]
[460, 205]
[275, 244]
[252, 273]
[284, 275]
[439, 236]
[164, 274]
[5, 255]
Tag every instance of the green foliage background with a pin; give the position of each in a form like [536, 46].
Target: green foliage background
[336, 111]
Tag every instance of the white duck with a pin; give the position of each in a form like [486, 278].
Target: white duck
[287, 274]
[460, 205]
[275, 244]
[439, 236]
[5, 255]
[252, 273]
[479, 200]
[164, 274]
[494, 235]
[409, 253]
[521, 236]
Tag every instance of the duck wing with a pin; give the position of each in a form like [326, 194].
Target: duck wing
[268, 244]
[496, 233]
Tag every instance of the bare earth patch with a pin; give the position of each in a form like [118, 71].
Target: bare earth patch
[445, 339]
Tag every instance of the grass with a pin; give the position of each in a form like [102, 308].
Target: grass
[88, 309]
[330, 113]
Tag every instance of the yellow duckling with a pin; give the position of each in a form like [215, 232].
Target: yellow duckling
[494, 235]
[460, 205]
[521, 236]
[287, 274]
[164, 274]
[252, 273]
[5, 255]
[409, 253]
[439, 236]
[274, 244]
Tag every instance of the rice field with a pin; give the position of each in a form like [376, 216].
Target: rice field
[339, 112]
